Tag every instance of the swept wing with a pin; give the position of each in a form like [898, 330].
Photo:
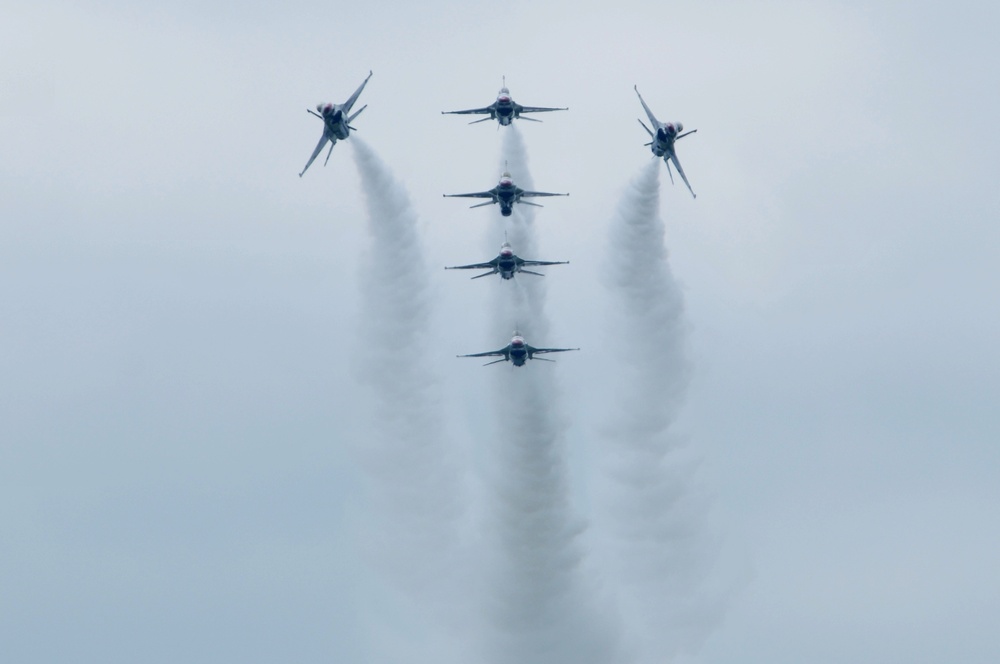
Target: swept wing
[476, 266]
[649, 113]
[471, 111]
[319, 148]
[538, 351]
[532, 263]
[353, 98]
[538, 109]
[476, 194]
[677, 165]
[538, 193]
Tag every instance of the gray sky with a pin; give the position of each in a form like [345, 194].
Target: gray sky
[179, 389]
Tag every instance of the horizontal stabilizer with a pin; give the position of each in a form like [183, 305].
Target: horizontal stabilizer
[537, 274]
[351, 119]
[484, 274]
[478, 121]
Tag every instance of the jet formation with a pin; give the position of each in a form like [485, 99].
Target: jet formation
[337, 120]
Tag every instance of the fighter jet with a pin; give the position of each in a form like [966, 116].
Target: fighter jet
[662, 144]
[504, 110]
[507, 264]
[336, 123]
[506, 193]
[517, 352]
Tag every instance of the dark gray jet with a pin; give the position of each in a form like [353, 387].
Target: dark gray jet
[507, 264]
[504, 110]
[506, 193]
[518, 352]
[336, 123]
[662, 144]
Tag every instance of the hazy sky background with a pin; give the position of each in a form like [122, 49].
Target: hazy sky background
[178, 311]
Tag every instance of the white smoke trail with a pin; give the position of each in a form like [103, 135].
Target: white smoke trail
[540, 603]
[412, 482]
[660, 552]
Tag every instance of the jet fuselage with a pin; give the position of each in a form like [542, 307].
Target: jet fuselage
[507, 195]
[334, 121]
[518, 352]
[663, 141]
[507, 264]
[503, 108]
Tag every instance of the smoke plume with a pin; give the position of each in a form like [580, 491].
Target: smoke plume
[541, 606]
[413, 491]
[655, 519]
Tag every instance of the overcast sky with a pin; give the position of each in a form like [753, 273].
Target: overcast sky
[179, 394]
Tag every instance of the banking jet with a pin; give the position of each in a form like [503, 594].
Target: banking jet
[517, 352]
[662, 144]
[336, 123]
[506, 193]
[507, 264]
[504, 110]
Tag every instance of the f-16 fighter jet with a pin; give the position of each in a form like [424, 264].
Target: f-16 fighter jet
[662, 144]
[506, 193]
[507, 264]
[517, 352]
[504, 110]
[336, 123]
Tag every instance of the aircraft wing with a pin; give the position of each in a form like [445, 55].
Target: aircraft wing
[539, 109]
[357, 93]
[503, 351]
[471, 111]
[475, 194]
[475, 266]
[319, 148]
[532, 263]
[649, 113]
[539, 193]
[539, 351]
[677, 165]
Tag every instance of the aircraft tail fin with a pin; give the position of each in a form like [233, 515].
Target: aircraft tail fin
[667, 162]
[537, 274]
[484, 274]
[525, 117]
[502, 359]
[332, 143]
[530, 203]
[543, 359]
[482, 204]
[648, 130]
[478, 121]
